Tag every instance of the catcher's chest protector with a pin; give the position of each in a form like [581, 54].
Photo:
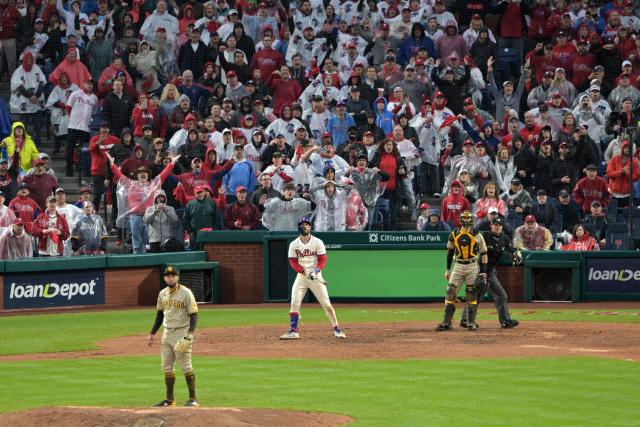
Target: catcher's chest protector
[464, 243]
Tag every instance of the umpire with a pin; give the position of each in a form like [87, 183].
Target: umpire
[497, 243]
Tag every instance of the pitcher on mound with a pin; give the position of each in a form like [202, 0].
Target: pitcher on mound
[308, 256]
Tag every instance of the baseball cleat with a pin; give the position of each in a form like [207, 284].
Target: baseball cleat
[291, 335]
[443, 327]
[463, 324]
[508, 324]
[338, 333]
[165, 403]
[472, 326]
[191, 402]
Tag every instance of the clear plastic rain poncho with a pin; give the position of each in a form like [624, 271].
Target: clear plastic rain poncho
[339, 209]
[90, 230]
[283, 215]
[368, 185]
[134, 197]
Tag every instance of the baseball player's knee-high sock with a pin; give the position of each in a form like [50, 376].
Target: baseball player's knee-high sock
[169, 381]
[294, 317]
[472, 310]
[191, 384]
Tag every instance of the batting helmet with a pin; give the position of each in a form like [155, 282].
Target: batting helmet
[466, 219]
[303, 220]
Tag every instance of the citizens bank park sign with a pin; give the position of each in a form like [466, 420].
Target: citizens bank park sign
[613, 275]
[53, 289]
[384, 239]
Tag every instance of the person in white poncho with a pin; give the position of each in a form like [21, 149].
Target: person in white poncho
[27, 84]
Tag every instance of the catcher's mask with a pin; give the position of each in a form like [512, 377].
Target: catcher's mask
[466, 219]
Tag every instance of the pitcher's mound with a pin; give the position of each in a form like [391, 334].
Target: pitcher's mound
[73, 416]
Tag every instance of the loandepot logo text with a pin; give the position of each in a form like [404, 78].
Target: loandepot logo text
[52, 290]
[619, 275]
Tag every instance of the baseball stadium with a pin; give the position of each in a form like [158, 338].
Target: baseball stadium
[76, 351]
[319, 213]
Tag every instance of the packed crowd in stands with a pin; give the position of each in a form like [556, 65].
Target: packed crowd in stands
[246, 115]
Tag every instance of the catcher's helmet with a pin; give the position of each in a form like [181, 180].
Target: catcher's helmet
[466, 219]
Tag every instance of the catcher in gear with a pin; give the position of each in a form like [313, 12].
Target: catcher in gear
[465, 246]
[497, 243]
[178, 314]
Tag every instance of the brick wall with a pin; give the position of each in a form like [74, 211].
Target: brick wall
[241, 271]
[132, 286]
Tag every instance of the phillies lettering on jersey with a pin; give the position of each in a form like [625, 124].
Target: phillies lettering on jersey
[307, 254]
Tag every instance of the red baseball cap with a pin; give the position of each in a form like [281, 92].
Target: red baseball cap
[352, 45]
[241, 188]
[18, 220]
[529, 218]
[476, 16]
[231, 74]
[425, 206]
[198, 189]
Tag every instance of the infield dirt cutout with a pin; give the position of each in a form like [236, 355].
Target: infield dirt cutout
[402, 340]
[74, 416]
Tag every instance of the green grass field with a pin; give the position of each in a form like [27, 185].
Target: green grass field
[567, 391]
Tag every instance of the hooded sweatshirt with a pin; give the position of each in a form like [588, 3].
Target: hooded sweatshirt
[159, 221]
[130, 165]
[384, 118]
[453, 205]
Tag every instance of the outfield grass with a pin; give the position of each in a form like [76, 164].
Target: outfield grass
[80, 331]
[515, 392]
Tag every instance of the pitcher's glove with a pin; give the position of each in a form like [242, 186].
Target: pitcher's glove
[184, 344]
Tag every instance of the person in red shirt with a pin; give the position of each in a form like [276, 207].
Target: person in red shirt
[541, 59]
[618, 174]
[98, 146]
[241, 215]
[51, 230]
[285, 90]
[454, 204]
[563, 52]
[590, 188]
[531, 130]
[25, 207]
[626, 44]
[267, 60]
[582, 64]
[9, 17]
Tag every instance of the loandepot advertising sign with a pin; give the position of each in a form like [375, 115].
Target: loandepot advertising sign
[53, 289]
[613, 275]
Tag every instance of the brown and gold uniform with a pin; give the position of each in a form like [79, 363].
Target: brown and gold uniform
[177, 305]
[466, 246]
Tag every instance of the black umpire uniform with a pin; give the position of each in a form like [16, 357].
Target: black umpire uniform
[497, 244]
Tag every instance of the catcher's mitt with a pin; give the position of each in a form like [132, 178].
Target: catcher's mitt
[184, 344]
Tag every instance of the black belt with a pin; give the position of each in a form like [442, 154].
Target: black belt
[466, 262]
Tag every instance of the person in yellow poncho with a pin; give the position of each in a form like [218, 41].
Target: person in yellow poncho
[21, 141]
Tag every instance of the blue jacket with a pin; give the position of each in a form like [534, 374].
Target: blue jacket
[241, 173]
[409, 48]
[384, 119]
[338, 128]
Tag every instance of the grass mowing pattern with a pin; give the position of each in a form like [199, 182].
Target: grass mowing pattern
[515, 392]
[80, 331]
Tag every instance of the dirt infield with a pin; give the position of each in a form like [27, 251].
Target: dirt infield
[406, 340]
[166, 417]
